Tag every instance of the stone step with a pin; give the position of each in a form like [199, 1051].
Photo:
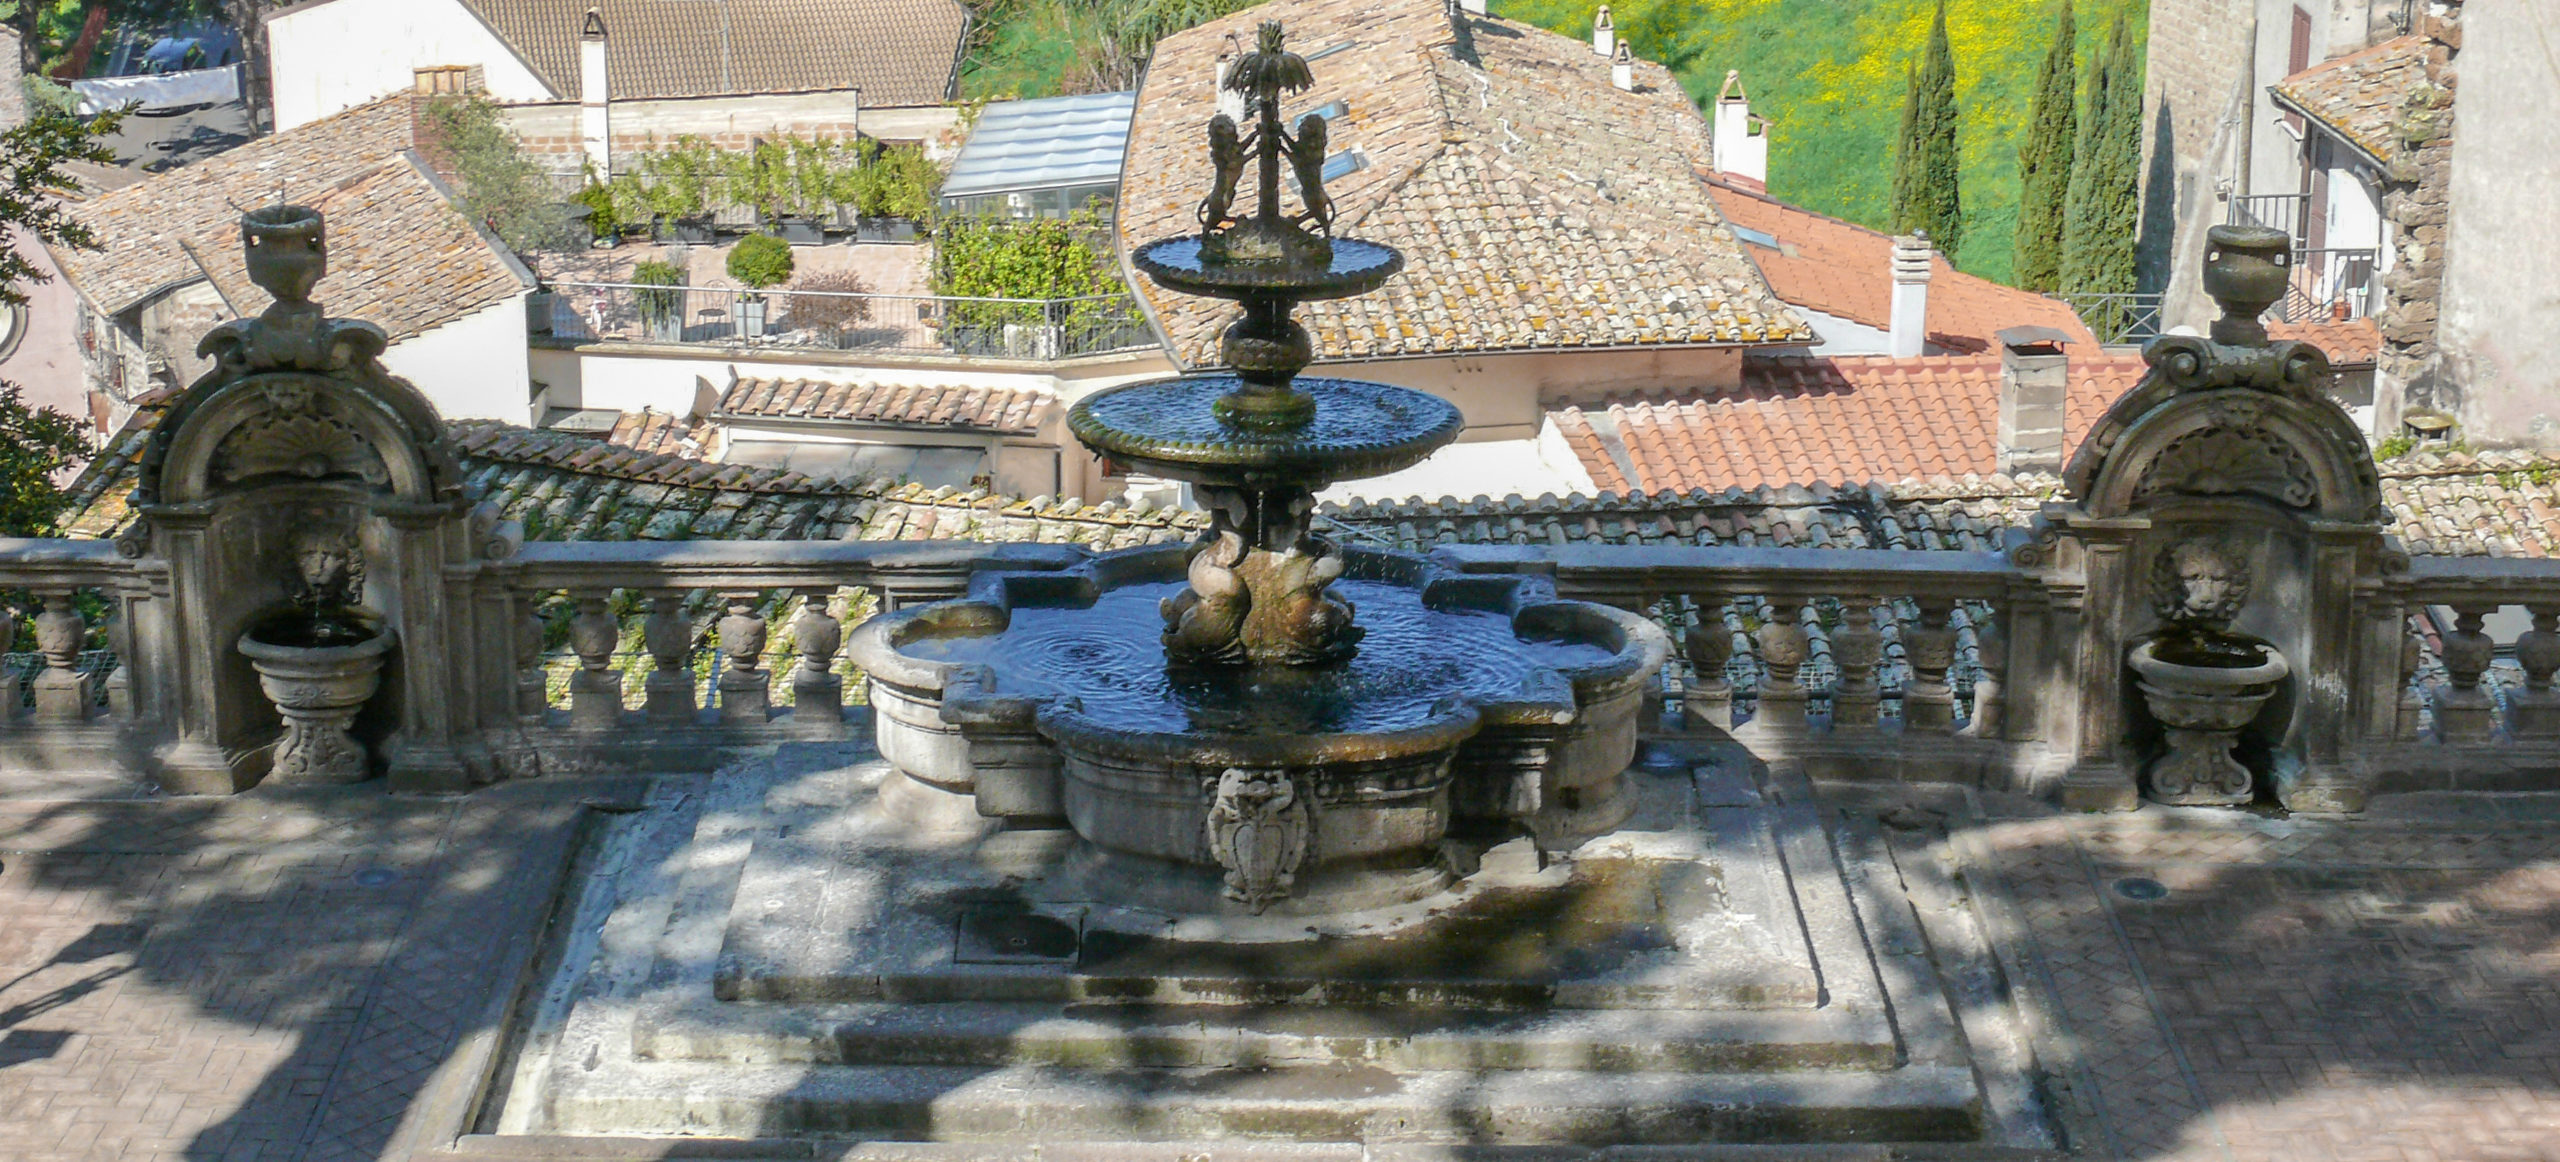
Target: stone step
[1102, 1036]
[1338, 1103]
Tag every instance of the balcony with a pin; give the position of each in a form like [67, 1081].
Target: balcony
[2327, 284]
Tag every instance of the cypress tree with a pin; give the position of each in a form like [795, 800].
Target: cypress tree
[2101, 215]
[1932, 198]
[2044, 164]
[1906, 148]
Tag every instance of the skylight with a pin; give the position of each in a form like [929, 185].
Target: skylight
[1756, 237]
[1347, 161]
[1329, 50]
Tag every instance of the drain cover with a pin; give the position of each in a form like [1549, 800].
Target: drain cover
[2141, 888]
[1007, 937]
[374, 877]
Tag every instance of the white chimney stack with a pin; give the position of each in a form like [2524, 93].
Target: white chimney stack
[1230, 102]
[1604, 33]
[1622, 69]
[1911, 272]
[595, 123]
[1741, 141]
[1471, 7]
[2035, 390]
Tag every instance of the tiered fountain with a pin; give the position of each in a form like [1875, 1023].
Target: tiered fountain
[1216, 720]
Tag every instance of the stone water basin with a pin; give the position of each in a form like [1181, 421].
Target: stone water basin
[1479, 704]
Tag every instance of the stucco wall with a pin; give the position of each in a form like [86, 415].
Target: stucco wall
[2498, 337]
[1506, 396]
[44, 364]
[473, 367]
[341, 54]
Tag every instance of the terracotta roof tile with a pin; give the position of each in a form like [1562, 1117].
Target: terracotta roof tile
[2354, 343]
[2363, 96]
[898, 52]
[1012, 411]
[1537, 205]
[400, 255]
[1843, 269]
[1826, 419]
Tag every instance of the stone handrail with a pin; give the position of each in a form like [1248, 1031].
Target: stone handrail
[1802, 630]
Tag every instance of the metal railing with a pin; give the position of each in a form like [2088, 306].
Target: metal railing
[2332, 283]
[2116, 316]
[2287, 212]
[1035, 329]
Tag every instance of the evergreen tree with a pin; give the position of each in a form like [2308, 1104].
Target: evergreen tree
[1928, 160]
[36, 443]
[1906, 152]
[2102, 214]
[2044, 164]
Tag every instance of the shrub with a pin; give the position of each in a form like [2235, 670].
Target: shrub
[895, 181]
[683, 180]
[659, 304]
[760, 261]
[500, 185]
[822, 310]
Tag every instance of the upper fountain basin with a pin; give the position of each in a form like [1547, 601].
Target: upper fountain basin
[1167, 427]
[1358, 267]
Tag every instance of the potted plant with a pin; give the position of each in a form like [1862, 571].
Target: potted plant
[803, 183]
[682, 183]
[761, 261]
[661, 311]
[832, 304]
[902, 188]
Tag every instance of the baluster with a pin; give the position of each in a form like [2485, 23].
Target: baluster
[2413, 699]
[61, 691]
[118, 686]
[817, 692]
[1930, 646]
[744, 686]
[1783, 649]
[1857, 648]
[1707, 702]
[2465, 712]
[595, 692]
[669, 635]
[1991, 656]
[2537, 709]
[533, 689]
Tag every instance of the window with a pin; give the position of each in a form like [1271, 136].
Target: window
[1347, 161]
[1329, 50]
[1756, 237]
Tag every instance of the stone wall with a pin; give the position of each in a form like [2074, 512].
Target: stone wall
[2195, 103]
[2499, 330]
[2415, 203]
[13, 91]
[550, 131]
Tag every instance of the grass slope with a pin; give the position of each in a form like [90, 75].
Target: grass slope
[1828, 75]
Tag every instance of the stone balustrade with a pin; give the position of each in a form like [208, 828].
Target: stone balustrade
[1936, 665]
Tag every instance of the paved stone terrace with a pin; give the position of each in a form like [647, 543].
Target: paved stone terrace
[317, 975]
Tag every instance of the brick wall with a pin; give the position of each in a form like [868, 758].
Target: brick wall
[551, 133]
[2195, 104]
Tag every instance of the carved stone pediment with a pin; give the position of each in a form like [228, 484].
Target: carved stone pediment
[302, 435]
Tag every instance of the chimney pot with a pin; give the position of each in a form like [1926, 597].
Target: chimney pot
[1622, 69]
[1604, 33]
[595, 96]
[1911, 271]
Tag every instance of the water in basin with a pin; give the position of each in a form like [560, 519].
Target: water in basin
[1110, 656]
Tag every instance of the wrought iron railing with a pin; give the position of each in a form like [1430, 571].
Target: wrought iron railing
[2331, 284]
[2287, 212]
[1036, 329]
[2116, 316]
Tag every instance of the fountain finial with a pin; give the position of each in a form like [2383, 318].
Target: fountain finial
[2244, 271]
[1270, 237]
[287, 249]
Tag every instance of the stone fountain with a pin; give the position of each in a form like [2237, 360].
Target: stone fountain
[1264, 720]
[2202, 682]
[320, 660]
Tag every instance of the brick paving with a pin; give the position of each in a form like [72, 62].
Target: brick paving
[269, 977]
[2305, 990]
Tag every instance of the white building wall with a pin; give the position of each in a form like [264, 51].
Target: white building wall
[335, 56]
[474, 367]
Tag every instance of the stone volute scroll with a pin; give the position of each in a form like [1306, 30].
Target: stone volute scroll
[2216, 561]
[322, 554]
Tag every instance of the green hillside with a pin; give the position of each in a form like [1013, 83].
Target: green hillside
[1829, 73]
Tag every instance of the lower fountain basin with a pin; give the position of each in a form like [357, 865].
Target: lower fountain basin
[2202, 709]
[1480, 702]
[319, 671]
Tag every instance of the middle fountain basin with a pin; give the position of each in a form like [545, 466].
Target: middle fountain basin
[1482, 706]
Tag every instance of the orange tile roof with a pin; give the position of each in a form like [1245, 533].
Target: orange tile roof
[2363, 96]
[1013, 411]
[1844, 419]
[1537, 205]
[2354, 343]
[1841, 268]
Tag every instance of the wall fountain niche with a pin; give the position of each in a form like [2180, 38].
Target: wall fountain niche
[1264, 720]
[2224, 528]
[308, 511]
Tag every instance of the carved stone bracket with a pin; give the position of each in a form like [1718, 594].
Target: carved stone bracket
[1259, 832]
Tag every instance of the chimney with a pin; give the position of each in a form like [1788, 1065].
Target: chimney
[1910, 294]
[1471, 7]
[1622, 69]
[449, 80]
[1741, 140]
[2035, 387]
[1230, 102]
[1604, 33]
[595, 124]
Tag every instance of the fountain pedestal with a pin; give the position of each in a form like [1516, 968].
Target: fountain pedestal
[317, 689]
